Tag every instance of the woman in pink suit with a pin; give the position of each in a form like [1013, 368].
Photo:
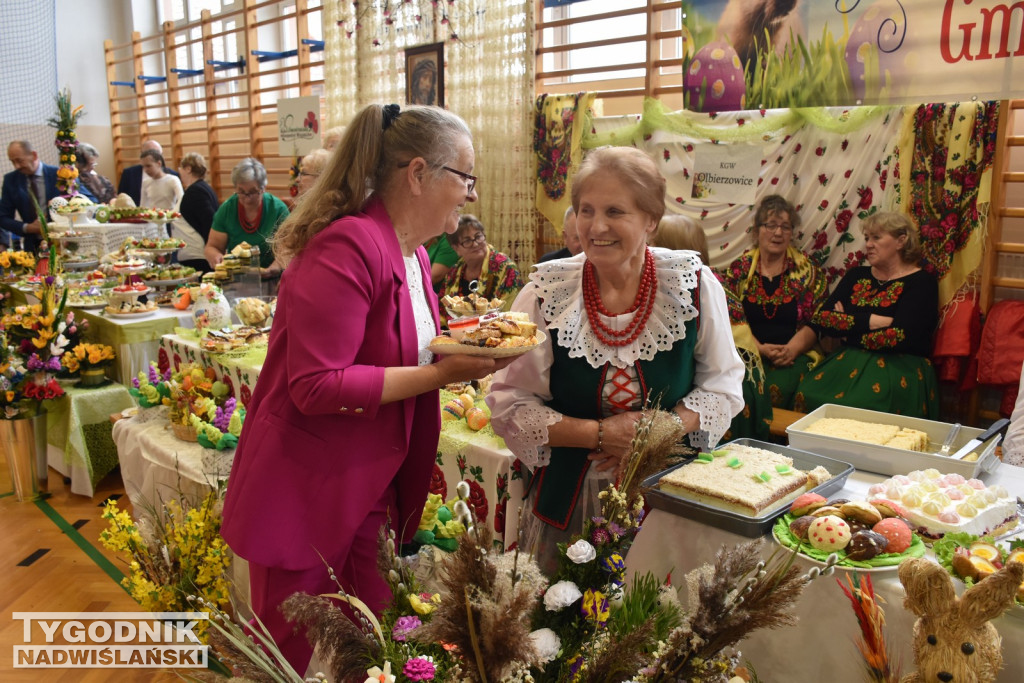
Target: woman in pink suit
[342, 428]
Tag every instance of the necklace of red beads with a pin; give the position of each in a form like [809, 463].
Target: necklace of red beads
[642, 307]
[250, 226]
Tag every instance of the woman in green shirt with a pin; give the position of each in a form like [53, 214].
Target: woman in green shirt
[250, 215]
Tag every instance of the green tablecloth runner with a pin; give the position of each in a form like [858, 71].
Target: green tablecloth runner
[123, 332]
[78, 424]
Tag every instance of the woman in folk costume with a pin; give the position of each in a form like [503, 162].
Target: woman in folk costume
[777, 290]
[624, 323]
[885, 313]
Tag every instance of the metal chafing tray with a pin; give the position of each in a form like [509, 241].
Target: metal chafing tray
[888, 460]
[737, 523]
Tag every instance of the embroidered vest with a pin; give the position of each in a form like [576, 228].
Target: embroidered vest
[576, 392]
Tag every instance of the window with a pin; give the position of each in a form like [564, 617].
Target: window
[624, 50]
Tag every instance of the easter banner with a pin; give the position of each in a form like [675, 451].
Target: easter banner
[726, 173]
[750, 54]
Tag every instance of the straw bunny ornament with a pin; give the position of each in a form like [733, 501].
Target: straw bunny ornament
[953, 639]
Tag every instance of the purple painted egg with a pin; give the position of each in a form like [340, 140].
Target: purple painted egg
[716, 77]
[882, 28]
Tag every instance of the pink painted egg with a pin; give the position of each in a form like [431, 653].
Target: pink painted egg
[714, 81]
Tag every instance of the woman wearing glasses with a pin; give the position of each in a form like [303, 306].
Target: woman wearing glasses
[250, 215]
[341, 431]
[776, 290]
[885, 313]
[480, 268]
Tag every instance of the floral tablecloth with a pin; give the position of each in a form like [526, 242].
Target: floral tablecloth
[78, 432]
[481, 459]
[239, 373]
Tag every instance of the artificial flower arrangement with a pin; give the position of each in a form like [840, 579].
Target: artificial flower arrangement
[501, 619]
[65, 121]
[87, 356]
[35, 338]
[438, 527]
[200, 402]
[150, 388]
[172, 552]
[15, 264]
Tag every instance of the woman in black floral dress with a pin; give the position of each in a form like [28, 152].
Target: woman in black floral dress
[885, 314]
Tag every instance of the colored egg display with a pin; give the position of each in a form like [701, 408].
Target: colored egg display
[714, 79]
[881, 28]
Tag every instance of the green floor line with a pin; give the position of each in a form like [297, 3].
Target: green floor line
[4, 495]
[88, 548]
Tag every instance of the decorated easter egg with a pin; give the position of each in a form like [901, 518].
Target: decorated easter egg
[476, 418]
[880, 30]
[714, 79]
[211, 309]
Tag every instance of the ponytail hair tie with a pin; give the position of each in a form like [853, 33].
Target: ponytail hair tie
[391, 112]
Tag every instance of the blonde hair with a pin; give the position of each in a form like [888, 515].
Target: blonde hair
[681, 232]
[635, 169]
[314, 162]
[897, 225]
[332, 136]
[195, 163]
[375, 145]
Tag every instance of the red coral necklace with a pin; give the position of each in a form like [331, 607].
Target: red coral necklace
[642, 307]
[247, 225]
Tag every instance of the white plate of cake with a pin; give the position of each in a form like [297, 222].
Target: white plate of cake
[742, 486]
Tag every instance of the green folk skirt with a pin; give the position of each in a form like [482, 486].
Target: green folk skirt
[763, 392]
[899, 383]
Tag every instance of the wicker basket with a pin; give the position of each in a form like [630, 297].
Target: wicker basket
[185, 432]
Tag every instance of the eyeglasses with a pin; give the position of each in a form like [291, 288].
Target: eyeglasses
[470, 179]
[773, 227]
[480, 238]
[250, 194]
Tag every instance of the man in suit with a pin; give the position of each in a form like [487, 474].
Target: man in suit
[131, 177]
[29, 177]
[571, 237]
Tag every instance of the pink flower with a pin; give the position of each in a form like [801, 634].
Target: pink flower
[419, 669]
[403, 626]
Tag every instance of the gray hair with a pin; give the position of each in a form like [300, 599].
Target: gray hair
[249, 170]
[86, 150]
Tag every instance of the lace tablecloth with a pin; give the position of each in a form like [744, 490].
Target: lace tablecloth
[820, 647]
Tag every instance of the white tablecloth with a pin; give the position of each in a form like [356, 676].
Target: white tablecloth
[820, 647]
[103, 238]
[156, 465]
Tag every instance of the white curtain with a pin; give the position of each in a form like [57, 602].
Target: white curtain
[488, 81]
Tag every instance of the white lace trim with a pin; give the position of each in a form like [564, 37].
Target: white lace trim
[529, 441]
[714, 414]
[560, 288]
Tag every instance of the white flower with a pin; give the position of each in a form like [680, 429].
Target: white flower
[581, 552]
[560, 595]
[376, 675]
[546, 643]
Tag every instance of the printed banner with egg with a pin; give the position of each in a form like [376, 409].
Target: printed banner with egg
[726, 173]
[881, 52]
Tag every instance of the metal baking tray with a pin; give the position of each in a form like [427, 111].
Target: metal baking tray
[885, 459]
[744, 525]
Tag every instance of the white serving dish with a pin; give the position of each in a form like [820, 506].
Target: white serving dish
[885, 459]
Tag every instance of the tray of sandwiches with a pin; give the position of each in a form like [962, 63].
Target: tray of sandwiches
[744, 485]
[890, 444]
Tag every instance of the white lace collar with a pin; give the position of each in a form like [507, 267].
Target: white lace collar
[559, 286]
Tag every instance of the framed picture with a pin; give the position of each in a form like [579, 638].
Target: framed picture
[424, 74]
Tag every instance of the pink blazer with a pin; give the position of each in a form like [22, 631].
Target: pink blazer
[318, 448]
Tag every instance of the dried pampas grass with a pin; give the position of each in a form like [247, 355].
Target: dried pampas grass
[491, 597]
[348, 649]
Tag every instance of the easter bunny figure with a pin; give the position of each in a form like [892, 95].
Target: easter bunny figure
[953, 639]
